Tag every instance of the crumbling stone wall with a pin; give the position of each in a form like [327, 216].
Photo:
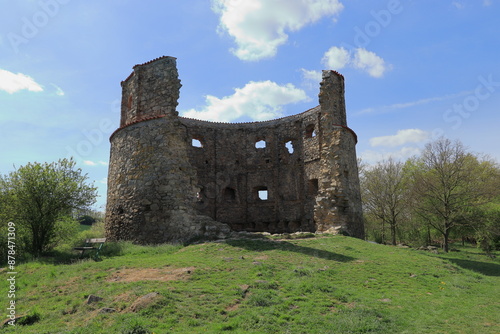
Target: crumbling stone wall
[173, 178]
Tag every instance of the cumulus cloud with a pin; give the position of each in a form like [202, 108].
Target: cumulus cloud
[368, 61]
[11, 82]
[337, 58]
[259, 27]
[258, 101]
[401, 138]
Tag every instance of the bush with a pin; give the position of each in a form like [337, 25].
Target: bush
[86, 220]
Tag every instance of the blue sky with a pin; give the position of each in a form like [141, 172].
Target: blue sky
[414, 70]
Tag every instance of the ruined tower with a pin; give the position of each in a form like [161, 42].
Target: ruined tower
[173, 178]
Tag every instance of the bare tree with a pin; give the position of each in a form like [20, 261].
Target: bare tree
[384, 194]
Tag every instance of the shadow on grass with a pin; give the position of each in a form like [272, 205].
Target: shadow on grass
[263, 245]
[485, 268]
[70, 256]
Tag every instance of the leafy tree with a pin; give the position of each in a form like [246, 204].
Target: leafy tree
[39, 198]
[385, 194]
[449, 182]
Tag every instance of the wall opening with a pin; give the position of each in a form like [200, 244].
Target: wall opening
[289, 146]
[260, 144]
[196, 143]
[312, 187]
[200, 194]
[310, 131]
[261, 193]
[229, 194]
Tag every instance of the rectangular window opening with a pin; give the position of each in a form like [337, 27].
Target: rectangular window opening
[263, 195]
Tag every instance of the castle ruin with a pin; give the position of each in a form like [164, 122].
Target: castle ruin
[172, 178]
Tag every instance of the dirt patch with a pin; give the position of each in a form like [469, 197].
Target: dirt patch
[151, 274]
[234, 306]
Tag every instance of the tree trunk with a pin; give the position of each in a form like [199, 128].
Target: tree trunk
[429, 239]
[446, 240]
[393, 233]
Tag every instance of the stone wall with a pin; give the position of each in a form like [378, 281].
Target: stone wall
[173, 178]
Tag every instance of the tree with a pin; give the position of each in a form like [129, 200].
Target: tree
[384, 194]
[38, 196]
[448, 182]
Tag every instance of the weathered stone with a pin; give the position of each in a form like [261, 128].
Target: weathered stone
[144, 301]
[162, 188]
[93, 299]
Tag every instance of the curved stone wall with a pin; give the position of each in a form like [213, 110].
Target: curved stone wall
[173, 178]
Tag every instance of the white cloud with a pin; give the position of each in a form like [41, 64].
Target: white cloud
[404, 153]
[312, 75]
[458, 4]
[93, 163]
[259, 27]
[368, 61]
[257, 100]
[402, 137]
[11, 82]
[487, 3]
[336, 58]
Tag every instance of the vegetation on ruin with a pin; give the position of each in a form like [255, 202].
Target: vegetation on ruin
[321, 284]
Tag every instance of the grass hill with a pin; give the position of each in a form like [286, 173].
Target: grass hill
[332, 284]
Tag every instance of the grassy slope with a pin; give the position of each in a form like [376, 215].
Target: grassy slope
[319, 285]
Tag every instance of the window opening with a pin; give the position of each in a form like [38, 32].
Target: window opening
[260, 144]
[200, 195]
[196, 143]
[289, 146]
[229, 194]
[312, 187]
[310, 131]
[263, 195]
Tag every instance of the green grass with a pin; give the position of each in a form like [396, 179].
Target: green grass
[315, 285]
[82, 227]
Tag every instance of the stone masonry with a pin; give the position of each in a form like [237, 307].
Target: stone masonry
[172, 179]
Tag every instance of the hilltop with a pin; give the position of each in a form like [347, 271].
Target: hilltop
[331, 284]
